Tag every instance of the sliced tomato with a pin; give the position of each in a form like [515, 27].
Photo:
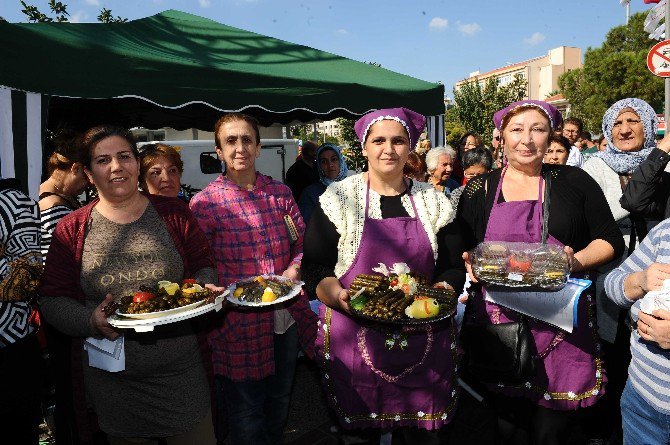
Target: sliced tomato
[142, 296]
[520, 263]
[188, 281]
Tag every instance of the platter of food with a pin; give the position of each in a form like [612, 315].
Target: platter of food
[263, 290]
[533, 265]
[166, 303]
[166, 299]
[399, 298]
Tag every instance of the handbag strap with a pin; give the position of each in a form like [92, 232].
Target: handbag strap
[545, 207]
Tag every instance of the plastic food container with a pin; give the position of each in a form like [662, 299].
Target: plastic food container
[535, 265]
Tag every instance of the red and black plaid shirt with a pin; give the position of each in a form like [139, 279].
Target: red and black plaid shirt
[248, 234]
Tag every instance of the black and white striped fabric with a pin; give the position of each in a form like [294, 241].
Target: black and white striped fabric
[22, 118]
[19, 235]
[435, 130]
[48, 220]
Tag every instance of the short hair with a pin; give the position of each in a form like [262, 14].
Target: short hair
[574, 121]
[434, 154]
[586, 135]
[309, 146]
[232, 117]
[149, 153]
[464, 139]
[600, 139]
[518, 110]
[560, 139]
[415, 167]
[477, 156]
[97, 134]
[67, 151]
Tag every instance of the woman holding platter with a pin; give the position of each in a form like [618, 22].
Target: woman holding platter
[109, 248]
[255, 228]
[507, 205]
[384, 377]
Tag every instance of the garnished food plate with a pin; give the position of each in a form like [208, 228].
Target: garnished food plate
[163, 313]
[399, 297]
[147, 325]
[263, 290]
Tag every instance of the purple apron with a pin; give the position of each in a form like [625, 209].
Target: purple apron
[386, 378]
[569, 367]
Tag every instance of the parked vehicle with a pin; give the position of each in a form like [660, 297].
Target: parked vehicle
[201, 165]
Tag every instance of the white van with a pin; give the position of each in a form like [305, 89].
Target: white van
[201, 165]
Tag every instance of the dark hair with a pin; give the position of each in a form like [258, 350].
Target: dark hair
[415, 167]
[309, 146]
[574, 121]
[464, 139]
[560, 139]
[97, 134]
[600, 140]
[586, 135]
[149, 153]
[477, 156]
[67, 151]
[232, 117]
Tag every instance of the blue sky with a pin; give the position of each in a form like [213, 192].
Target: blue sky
[434, 40]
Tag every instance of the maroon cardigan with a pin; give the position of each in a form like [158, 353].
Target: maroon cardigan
[63, 270]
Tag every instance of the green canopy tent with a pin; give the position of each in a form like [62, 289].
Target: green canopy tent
[180, 70]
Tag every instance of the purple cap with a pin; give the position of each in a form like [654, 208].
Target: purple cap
[555, 117]
[412, 121]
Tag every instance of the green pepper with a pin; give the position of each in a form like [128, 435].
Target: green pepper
[358, 303]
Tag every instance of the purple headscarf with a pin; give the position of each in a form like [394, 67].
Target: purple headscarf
[555, 117]
[411, 120]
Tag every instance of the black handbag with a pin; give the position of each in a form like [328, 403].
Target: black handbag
[502, 353]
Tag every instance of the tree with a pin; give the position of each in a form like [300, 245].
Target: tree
[59, 10]
[352, 147]
[475, 105]
[453, 128]
[612, 72]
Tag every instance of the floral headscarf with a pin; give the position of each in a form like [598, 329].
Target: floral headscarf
[627, 162]
[343, 164]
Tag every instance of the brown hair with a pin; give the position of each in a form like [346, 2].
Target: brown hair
[464, 139]
[67, 151]
[519, 110]
[560, 139]
[232, 117]
[97, 134]
[415, 167]
[149, 153]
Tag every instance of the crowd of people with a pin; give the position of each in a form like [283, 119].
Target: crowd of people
[228, 376]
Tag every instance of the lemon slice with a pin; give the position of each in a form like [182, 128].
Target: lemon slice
[163, 283]
[171, 288]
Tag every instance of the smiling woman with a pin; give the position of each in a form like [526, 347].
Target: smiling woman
[110, 238]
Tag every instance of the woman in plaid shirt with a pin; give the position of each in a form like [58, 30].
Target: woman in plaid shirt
[254, 227]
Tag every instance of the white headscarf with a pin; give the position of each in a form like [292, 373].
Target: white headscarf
[622, 161]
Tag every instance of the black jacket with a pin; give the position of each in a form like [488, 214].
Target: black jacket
[648, 191]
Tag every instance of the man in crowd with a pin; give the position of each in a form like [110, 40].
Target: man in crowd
[572, 130]
[303, 173]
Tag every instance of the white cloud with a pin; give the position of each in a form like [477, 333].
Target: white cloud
[92, 2]
[535, 39]
[342, 32]
[469, 29]
[438, 24]
[205, 3]
[78, 17]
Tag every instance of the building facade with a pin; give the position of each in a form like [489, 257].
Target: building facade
[541, 73]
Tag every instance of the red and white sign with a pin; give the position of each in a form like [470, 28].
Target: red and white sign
[658, 59]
